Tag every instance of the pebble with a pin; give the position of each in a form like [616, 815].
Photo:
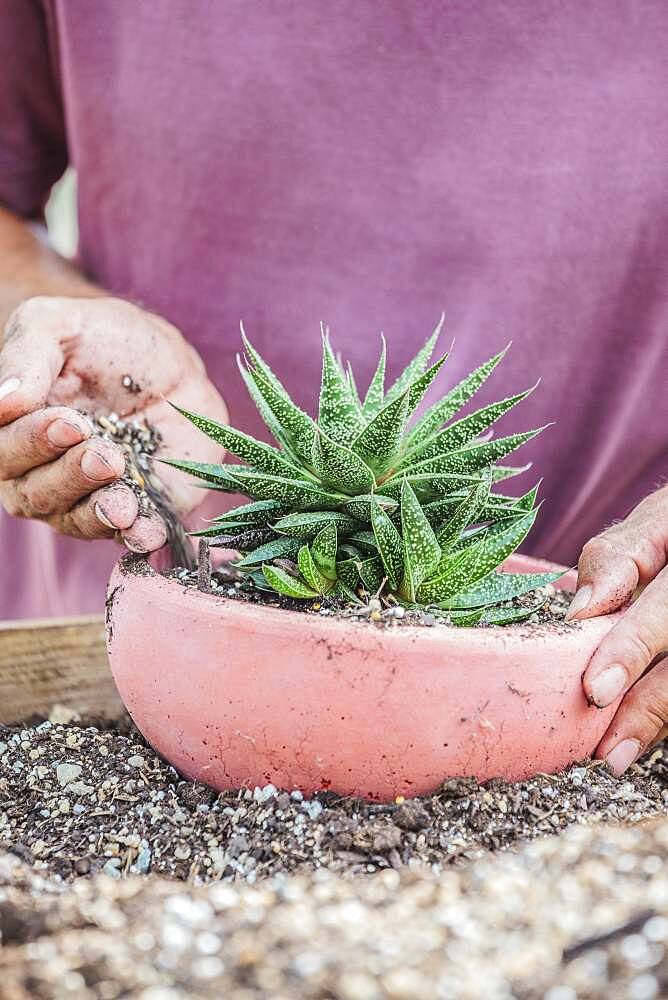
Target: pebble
[66, 773]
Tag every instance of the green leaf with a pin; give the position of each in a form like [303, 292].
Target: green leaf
[259, 580]
[352, 385]
[289, 492]
[259, 363]
[310, 572]
[421, 549]
[278, 548]
[510, 616]
[257, 512]
[458, 435]
[340, 468]
[474, 563]
[323, 550]
[338, 416]
[445, 408]
[427, 485]
[390, 545]
[372, 574]
[497, 587]
[416, 367]
[379, 442]
[263, 409]
[211, 473]
[468, 460]
[466, 513]
[501, 472]
[528, 500]
[364, 540]
[241, 541]
[261, 456]
[464, 619]
[418, 388]
[347, 572]
[375, 393]
[284, 583]
[306, 524]
[361, 506]
[295, 426]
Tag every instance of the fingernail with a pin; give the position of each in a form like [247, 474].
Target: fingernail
[96, 467]
[63, 434]
[102, 517]
[579, 602]
[139, 549]
[608, 686]
[8, 387]
[622, 756]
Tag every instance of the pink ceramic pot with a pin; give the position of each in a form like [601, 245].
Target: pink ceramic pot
[237, 694]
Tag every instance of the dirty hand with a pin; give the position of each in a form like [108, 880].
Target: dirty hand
[61, 356]
[629, 555]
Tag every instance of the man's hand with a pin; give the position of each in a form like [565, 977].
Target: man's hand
[63, 358]
[625, 557]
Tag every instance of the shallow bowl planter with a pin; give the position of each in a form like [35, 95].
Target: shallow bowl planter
[237, 694]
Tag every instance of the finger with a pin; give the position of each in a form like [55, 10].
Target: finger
[101, 515]
[147, 534]
[39, 438]
[629, 648]
[613, 564]
[56, 487]
[640, 720]
[30, 359]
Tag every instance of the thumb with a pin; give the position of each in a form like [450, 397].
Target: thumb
[614, 563]
[30, 360]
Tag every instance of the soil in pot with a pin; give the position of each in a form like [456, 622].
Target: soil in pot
[227, 582]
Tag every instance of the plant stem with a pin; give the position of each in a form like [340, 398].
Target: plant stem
[204, 566]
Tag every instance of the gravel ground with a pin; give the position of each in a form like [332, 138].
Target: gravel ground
[583, 916]
[251, 895]
[74, 800]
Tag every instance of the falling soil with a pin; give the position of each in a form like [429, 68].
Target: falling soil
[266, 894]
[140, 443]
[551, 605]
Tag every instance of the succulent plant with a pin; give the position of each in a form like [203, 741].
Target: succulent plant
[367, 500]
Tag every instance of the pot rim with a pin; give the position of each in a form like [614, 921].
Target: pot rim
[257, 616]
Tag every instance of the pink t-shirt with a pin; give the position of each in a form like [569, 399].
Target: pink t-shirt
[371, 165]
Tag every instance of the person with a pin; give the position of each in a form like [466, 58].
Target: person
[365, 164]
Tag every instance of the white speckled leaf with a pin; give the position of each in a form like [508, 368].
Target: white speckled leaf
[469, 460]
[323, 550]
[306, 524]
[416, 367]
[290, 492]
[499, 587]
[380, 440]
[295, 425]
[284, 583]
[372, 573]
[209, 472]
[445, 408]
[263, 457]
[361, 506]
[375, 393]
[421, 551]
[340, 468]
[466, 513]
[390, 545]
[474, 563]
[310, 572]
[257, 512]
[278, 548]
[338, 416]
[460, 434]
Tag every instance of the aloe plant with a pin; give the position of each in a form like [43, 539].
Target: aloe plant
[367, 500]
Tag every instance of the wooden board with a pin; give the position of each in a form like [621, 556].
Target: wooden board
[55, 662]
